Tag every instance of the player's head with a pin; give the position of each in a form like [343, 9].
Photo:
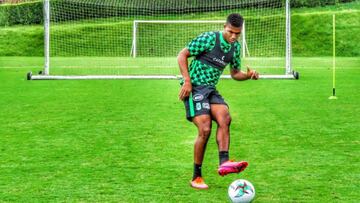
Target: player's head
[232, 27]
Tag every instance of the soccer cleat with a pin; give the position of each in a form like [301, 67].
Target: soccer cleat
[199, 183]
[232, 167]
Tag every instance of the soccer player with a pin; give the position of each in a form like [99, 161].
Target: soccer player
[212, 51]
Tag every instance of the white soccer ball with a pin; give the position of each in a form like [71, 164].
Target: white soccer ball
[241, 191]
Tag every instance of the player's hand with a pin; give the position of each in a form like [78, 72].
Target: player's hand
[252, 74]
[185, 90]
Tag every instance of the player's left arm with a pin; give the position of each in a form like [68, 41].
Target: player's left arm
[237, 74]
[235, 71]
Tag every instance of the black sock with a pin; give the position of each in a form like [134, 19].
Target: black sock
[223, 156]
[197, 171]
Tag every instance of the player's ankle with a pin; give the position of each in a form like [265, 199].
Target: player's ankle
[223, 157]
[197, 171]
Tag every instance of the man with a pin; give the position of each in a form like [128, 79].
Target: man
[203, 103]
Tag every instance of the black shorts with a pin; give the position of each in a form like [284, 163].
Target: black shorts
[200, 99]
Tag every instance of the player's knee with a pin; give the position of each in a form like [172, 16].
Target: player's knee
[228, 120]
[205, 130]
[225, 121]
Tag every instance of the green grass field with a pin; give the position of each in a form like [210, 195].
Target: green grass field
[128, 140]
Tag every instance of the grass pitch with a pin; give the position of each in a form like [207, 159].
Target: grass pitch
[129, 141]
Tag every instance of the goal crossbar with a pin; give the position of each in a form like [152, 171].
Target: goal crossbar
[178, 21]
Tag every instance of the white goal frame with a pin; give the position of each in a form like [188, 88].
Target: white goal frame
[45, 74]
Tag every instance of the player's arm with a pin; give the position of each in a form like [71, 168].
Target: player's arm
[203, 42]
[237, 74]
[183, 65]
[235, 71]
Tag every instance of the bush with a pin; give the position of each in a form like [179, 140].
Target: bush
[21, 14]
[315, 3]
[32, 11]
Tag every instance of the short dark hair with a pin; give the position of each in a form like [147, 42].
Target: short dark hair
[235, 20]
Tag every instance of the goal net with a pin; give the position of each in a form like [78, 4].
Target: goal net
[123, 38]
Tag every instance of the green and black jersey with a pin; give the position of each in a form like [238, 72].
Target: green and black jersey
[208, 73]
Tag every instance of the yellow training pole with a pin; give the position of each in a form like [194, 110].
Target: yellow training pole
[333, 95]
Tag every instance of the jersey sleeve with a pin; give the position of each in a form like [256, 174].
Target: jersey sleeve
[236, 61]
[203, 42]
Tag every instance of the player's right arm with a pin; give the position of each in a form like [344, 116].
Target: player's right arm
[203, 42]
[183, 64]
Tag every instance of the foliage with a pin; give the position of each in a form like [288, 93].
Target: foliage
[21, 14]
[31, 12]
[315, 3]
[311, 34]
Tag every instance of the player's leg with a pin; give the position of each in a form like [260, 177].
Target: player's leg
[203, 124]
[220, 114]
[198, 111]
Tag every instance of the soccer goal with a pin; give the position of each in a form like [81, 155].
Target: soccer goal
[115, 39]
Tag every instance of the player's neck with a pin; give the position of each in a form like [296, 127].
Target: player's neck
[222, 38]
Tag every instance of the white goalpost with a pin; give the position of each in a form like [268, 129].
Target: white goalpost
[114, 39]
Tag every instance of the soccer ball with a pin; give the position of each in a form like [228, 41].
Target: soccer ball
[241, 191]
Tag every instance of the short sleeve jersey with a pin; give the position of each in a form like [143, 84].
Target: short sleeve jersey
[203, 74]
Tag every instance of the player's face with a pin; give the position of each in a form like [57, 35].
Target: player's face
[231, 33]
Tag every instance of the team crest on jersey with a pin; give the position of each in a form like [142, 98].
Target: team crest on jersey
[198, 97]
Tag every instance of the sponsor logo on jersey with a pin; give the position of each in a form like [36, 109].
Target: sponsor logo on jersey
[219, 61]
[198, 97]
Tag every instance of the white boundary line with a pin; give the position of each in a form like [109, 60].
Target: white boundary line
[111, 77]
